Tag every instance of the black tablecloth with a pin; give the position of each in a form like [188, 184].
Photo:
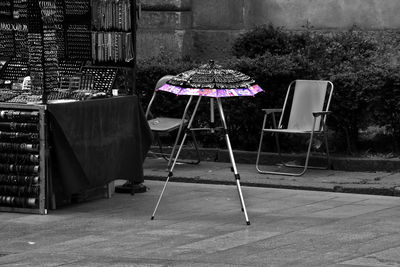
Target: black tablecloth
[94, 142]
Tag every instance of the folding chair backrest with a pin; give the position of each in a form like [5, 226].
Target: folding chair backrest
[309, 96]
[159, 83]
[163, 80]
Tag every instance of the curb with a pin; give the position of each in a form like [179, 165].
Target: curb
[394, 192]
[337, 162]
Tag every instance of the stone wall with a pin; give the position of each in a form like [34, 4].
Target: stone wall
[164, 27]
[206, 28]
[324, 14]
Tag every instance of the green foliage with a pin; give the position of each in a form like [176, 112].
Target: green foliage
[365, 73]
[386, 105]
[260, 40]
[361, 68]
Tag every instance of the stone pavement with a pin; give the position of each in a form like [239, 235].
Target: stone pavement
[379, 183]
[202, 225]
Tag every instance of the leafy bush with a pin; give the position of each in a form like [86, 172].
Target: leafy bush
[260, 40]
[387, 106]
[364, 72]
[360, 67]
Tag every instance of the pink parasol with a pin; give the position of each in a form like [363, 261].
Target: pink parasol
[213, 81]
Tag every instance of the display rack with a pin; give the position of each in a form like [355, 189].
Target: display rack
[48, 45]
[23, 182]
[77, 30]
[112, 39]
[49, 39]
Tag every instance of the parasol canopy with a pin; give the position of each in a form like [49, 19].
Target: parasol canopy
[213, 81]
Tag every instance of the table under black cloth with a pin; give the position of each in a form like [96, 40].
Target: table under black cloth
[97, 141]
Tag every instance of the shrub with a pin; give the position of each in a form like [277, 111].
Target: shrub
[361, 68]
[260, 40]
[364, 72]
[387, 106]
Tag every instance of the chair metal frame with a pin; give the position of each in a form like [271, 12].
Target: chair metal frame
[318, 127]
[170, 124]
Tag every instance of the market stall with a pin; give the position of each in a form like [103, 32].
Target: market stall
[69, 118]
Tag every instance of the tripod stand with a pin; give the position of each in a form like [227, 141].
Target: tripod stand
[212, 129]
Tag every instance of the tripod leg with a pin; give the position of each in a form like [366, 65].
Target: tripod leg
[179, 131]
[159, 198]
[171, 168]
[237, 176]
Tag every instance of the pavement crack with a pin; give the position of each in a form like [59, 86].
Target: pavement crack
[384, 261]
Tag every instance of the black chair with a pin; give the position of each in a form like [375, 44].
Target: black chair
[162, 125]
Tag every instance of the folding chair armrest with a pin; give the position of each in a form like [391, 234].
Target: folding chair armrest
[321, 113]
[271, 110]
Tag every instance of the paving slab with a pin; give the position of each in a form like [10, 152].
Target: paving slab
[203, 225]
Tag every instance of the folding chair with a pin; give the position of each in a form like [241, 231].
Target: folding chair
[304, 112]
[166, 125]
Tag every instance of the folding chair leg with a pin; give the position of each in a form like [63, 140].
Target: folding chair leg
[165, 156]
[171, 168]
[304, 167]
[328, 159]
[237, 176]
[171, 158]
[196, 147]
[278, 148]
[260, 145]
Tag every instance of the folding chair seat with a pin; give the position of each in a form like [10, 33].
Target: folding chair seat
[304, 112]
[163, 125]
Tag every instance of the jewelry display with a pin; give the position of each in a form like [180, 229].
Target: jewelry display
[25, 98]
[102, 78]
[21, 44]
[6, 43]
[112, 15]
[6, 95]
[20, 182]
[111, 36]
[20, 9]
[34, 17]
[39, 35]
[79, 42]
[5, 8]
[77, 7]
[15, 69]
[68, 68]
[112, 46]
[78, 37]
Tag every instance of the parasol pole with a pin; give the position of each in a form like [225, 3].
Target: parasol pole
[212, 118]
[212, 115]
